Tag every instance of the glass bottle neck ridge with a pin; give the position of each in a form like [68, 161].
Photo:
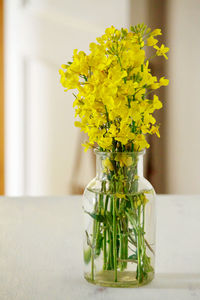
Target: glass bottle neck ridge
[119, 165]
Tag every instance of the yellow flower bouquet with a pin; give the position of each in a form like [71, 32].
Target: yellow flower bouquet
[115, 107]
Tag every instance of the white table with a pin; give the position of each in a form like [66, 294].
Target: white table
[41, 251]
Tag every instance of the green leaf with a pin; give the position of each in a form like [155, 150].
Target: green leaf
[99, 244]
[88, 239]
[133, 256]
[109, 218]
[97, 217]
[131, 219]
[87, 256]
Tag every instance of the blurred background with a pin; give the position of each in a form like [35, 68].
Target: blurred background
[40, 149]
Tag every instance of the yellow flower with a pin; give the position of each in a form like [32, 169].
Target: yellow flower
[155, 86]
[145, 129]
[86, 146]
[120, 196]
[124, 134]
[163, 81]
[151, 41]
[145, 200]
[122, 139]
[107, 164]
[116, 74]
[113, 130]
[124, 159]
[69, 80]
[140, 142]
[105, 142]
[111, 83]
[128, 88]
[157, 104]
[161, 51]
[156, 32]
[148, 118]
[155, 130]
[110, 31]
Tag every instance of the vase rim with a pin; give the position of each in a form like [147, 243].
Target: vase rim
[142, 152]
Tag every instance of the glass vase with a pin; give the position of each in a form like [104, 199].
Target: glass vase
[119, 219]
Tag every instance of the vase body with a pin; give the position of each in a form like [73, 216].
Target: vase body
[119, 220]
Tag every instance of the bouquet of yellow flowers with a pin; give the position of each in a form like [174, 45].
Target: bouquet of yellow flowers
[115, 108]
[114, 83]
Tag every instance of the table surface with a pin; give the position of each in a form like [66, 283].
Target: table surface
[41, 251]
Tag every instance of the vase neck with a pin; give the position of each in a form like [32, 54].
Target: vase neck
[119, 164]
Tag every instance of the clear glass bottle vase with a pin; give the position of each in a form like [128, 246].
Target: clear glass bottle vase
[119, 219]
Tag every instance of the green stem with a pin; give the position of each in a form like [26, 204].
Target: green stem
[105, 236]
[126, 242]
[114, 239]
[104, 250]
[107, 118]
[143, 216]
[139, 252]
[110, 257]
[143, 220]
[93, 241]
[121, 248]
[93, 250]
[98, 230]
[92, 265]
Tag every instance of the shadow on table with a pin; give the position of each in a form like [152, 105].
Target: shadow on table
[176, 281]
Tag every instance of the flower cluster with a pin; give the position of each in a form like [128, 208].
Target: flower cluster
[113, 84]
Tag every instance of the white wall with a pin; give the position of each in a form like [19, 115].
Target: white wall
[183, 119]
[40, 137]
